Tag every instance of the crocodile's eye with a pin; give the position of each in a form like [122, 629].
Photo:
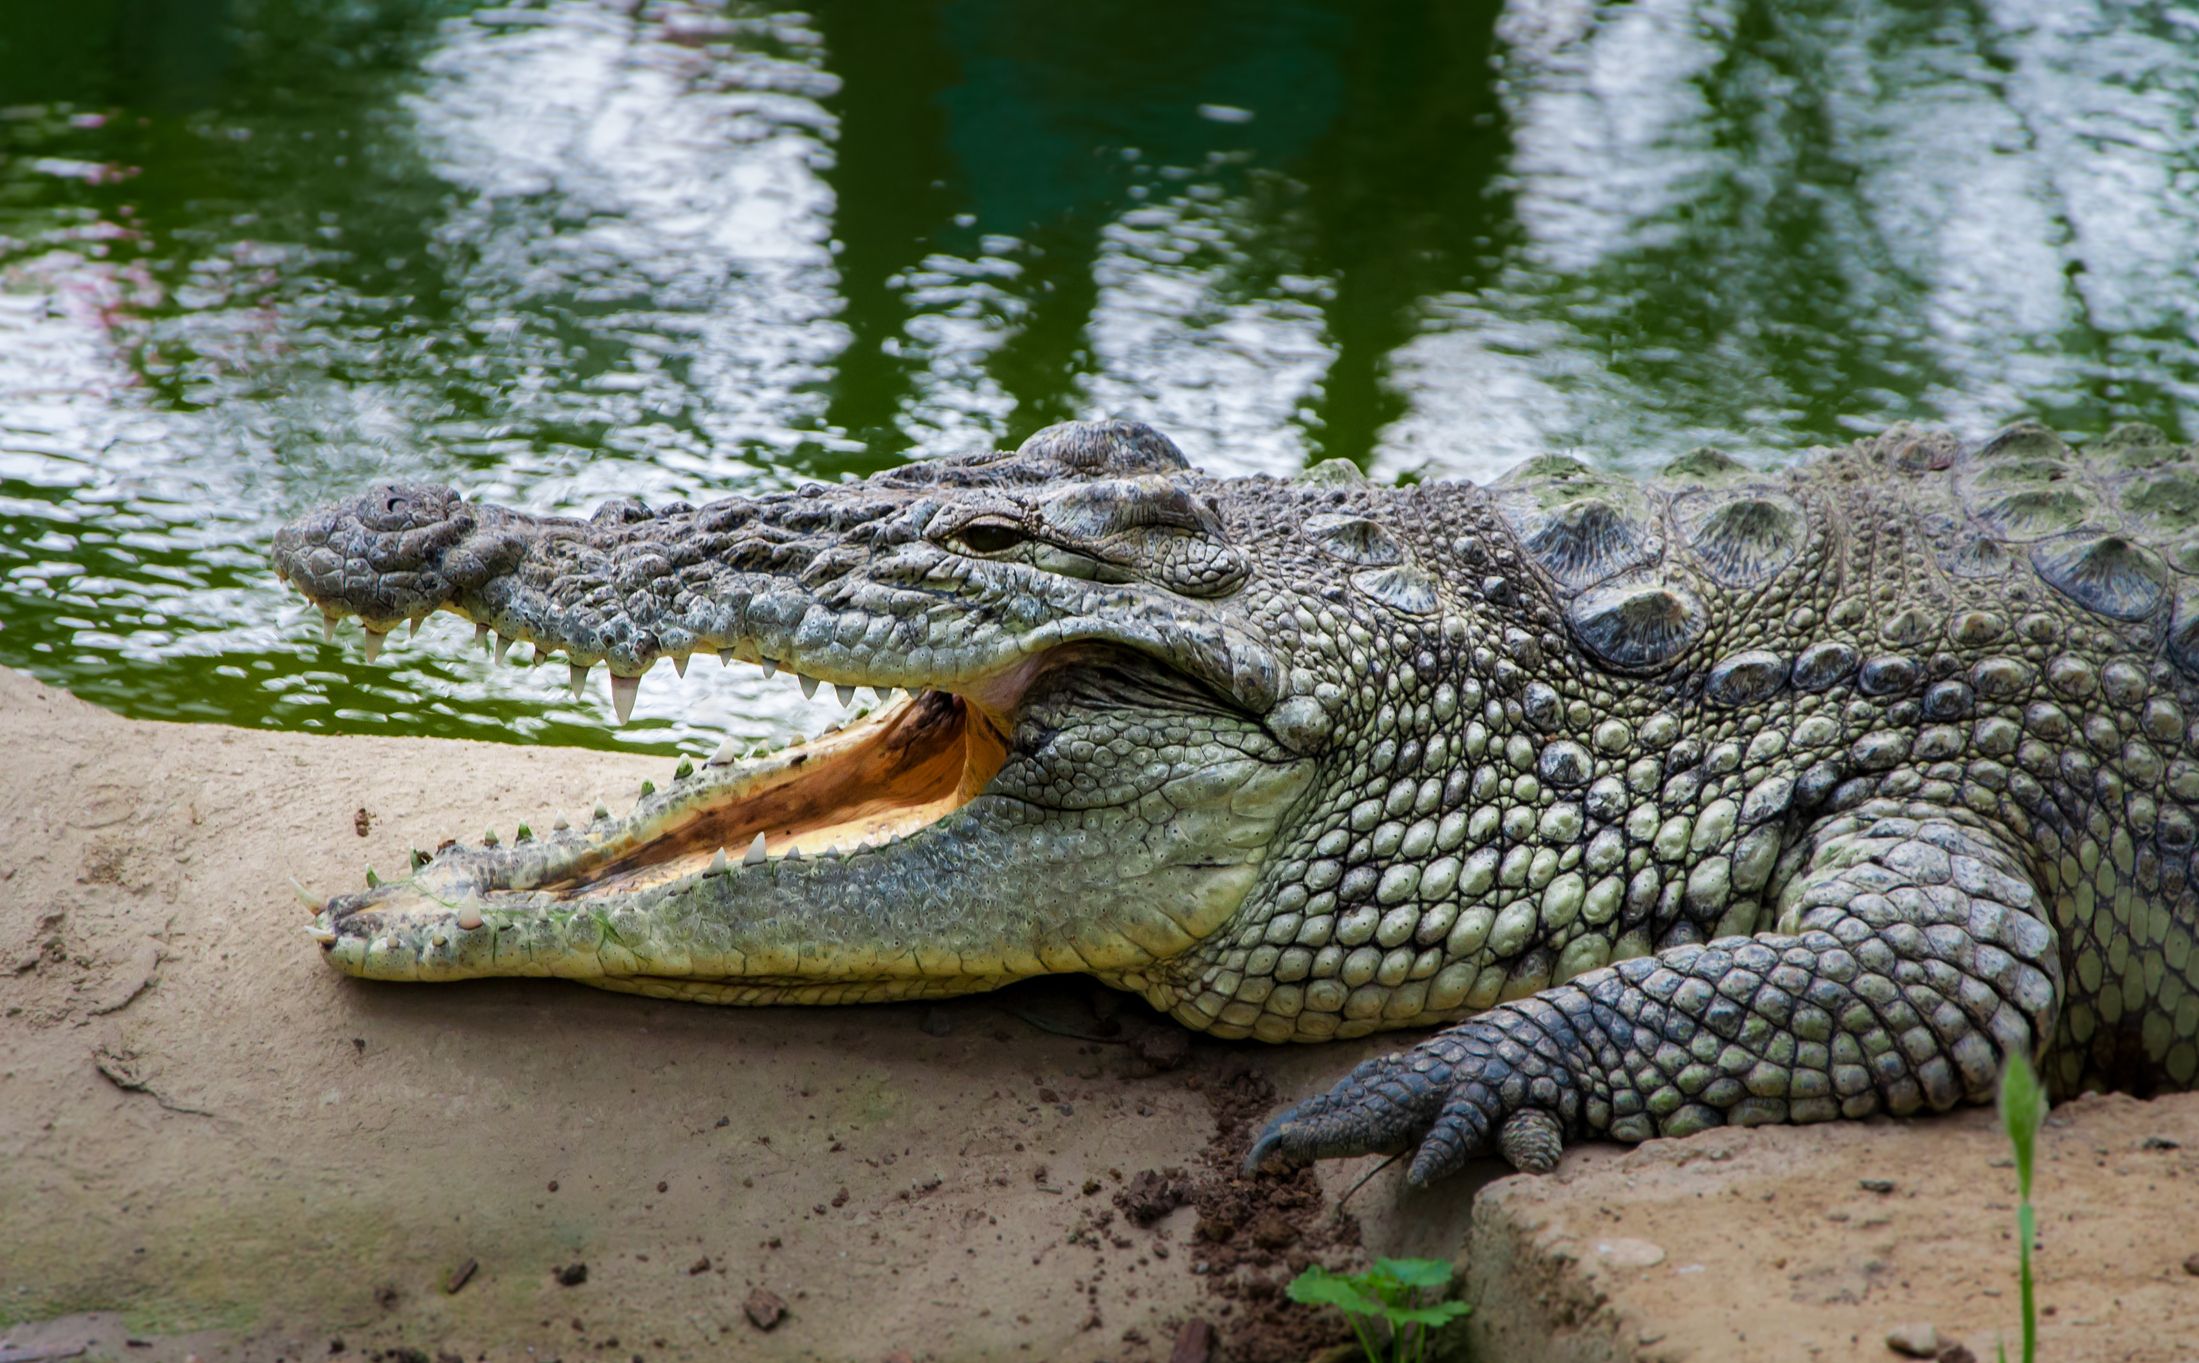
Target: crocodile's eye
[990, 537]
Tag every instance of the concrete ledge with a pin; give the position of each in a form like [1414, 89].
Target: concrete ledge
[1814, 1242]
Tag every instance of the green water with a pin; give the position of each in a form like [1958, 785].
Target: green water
[254, 253]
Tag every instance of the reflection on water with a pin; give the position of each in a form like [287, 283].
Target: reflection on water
[256, 252]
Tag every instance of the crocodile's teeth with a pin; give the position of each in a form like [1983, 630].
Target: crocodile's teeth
[412, 627]
[469, 918]
[725, 754]
[771, 669]
[306, 897]
[328, 626]
[793, 854]
[319, 933]
[481, 635]
[561, 824]
[725, 657]
[809, 686]
[623, 691]
[437, 939]
[755, 852]
[503, 646]
[679, 663]
[717, 864]
[579, 676]
[374, 640]
[846, 695]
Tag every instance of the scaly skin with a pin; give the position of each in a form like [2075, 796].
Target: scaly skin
[1722, 797]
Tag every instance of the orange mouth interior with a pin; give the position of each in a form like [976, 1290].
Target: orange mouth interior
[877, 780]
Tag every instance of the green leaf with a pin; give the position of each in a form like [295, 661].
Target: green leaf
[1431, 1315]
[1433, 1274]
[1319, 1287]
[2022, 1113]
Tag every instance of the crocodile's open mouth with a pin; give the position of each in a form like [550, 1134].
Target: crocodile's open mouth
[849, 792]
[868, 785]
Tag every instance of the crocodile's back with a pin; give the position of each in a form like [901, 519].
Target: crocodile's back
[2081, 569]
[2010, 629]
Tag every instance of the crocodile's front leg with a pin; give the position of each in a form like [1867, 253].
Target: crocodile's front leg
[1912, 954]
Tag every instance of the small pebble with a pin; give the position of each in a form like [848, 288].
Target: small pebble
[1875, 1185]
[1628, 1253]
[764, 1308]
[2191, 1264]
[572, 1275]
[1914, 1340]
[1194, 1343]
[460, 1276]
[1163, 1048]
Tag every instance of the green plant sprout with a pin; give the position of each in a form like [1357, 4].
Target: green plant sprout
[1405, 1294]
[2022, 1112]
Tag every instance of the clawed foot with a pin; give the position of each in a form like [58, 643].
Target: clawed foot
[1466, 1093]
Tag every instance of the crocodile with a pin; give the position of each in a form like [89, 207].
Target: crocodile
[1732, 795]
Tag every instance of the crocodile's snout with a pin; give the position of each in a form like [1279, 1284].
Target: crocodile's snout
[395, 552]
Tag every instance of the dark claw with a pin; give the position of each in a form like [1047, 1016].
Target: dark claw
[1270, 1142]
[1451, 1100]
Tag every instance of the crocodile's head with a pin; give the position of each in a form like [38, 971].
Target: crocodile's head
[1109, 725]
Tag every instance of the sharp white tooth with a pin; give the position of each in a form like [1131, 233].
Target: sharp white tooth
[503, 646]
[306, 897]
[437, 939]
[319, 933]
[725, 657]
[374, 640]
[579, 676]
[792, 854]
[717, 864]
[725, 754]
[809, 687]
[469, 918]
[481, 634]
[328, 626]
[412, 627]
[755, 852]
[771, 669]
[679, 663]
[561, 824]
[623, 691]
[846, 695]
